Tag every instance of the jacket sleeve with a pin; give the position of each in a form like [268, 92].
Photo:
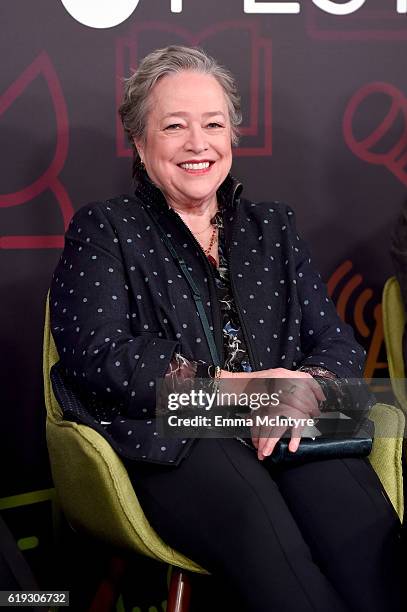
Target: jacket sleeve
[326, 341]
[91, 320]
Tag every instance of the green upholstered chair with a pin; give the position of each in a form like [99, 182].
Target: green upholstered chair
[97, 497]
[394, 320]
[387, 452]
[95, 492]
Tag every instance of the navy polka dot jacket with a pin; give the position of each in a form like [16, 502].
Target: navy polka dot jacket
[120, 308]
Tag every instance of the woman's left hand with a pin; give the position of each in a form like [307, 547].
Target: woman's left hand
[265, 437]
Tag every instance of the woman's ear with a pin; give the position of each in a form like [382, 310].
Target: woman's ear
[140, 149]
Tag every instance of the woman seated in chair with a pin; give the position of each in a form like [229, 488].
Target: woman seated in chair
[319, 536]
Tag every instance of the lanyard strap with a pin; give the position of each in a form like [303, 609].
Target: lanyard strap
[194, 289]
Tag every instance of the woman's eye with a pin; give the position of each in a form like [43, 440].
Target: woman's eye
[214, 125]
[173, 126]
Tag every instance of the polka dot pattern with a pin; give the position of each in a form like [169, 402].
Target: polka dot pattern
[119, 311]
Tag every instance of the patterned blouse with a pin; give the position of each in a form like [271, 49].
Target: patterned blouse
[236, 358]
[235, 352]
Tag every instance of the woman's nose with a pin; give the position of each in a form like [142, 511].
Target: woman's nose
[196, 140]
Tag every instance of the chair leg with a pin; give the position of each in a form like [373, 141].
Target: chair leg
[109, 589]
[179, 592]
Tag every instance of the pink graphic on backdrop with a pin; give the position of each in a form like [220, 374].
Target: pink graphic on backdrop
[49, 180]
[258, 127]
[376, 20]
[395, 157]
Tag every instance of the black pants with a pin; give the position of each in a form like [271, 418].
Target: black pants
[318, 537]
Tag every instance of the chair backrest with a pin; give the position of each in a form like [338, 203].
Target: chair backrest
[50, 357]
[386, 456]
[394, 321]
[93, 486]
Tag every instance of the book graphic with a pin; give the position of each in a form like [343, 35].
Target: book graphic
[252, 67]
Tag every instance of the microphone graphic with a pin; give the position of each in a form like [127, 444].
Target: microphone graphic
[394, 157]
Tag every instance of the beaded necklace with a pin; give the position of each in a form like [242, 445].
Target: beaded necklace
[207, 251]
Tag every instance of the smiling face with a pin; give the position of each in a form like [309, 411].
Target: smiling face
[187, 148]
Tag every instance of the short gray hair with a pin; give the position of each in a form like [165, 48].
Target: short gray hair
[162, 62]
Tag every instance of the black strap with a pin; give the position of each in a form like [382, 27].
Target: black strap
[194, 289]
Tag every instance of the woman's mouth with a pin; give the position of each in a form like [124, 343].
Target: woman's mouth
[193, 167]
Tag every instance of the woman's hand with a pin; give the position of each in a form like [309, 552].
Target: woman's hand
[265, 437]
[303, 393]
[299, 394]
[296, 389]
